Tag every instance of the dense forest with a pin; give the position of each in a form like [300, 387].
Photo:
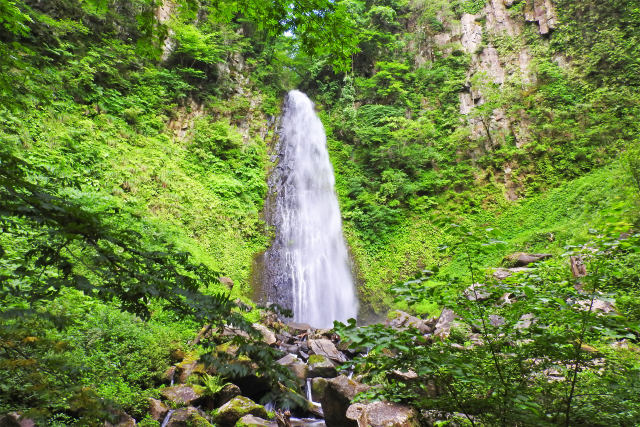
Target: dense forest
[487, 166]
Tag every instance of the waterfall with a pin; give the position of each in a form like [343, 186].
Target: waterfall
[307, 267]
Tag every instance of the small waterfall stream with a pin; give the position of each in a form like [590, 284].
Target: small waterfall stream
[307, 268]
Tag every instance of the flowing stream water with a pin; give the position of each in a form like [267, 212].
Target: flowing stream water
[307, 268]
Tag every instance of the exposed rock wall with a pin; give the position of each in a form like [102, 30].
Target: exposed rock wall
[493, 66]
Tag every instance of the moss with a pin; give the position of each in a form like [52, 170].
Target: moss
[316, 358]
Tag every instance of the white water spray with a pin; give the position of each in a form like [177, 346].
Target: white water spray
[308, 258]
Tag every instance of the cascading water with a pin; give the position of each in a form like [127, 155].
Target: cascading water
[307, 267]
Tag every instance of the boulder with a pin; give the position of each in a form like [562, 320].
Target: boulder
[525, 321]
[157, 409]
[337, 398]
[188, 367]
[290, 348]
[578, 269]
[188, 417]
[318, 388]
[268, 337]
[284, 338]
[226, 393]
[443, 326]
[298, 328]
[182, 394]
[402, 376]
[321, 366]
[296, 366]
[251, 420]
[522, 259]
[400, 320]
[382, 414]
[229, 331]
[597, 305]
[227, 281]
[503, 273]
[14, 419]
[170, 374]
[121, 419]
[229, 413]
[326, 348]
[477, 292]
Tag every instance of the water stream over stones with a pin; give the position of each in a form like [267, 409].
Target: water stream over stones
[307, 267]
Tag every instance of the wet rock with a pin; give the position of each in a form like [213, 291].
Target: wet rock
[229, 413]
[477, 292]
[314, 409]
[170, 374]
[326, 348]
[318, 388]
[382, 414]
[251, 420]
[268, 337]
[321, 366]
[188, 417]
[182, 394]
[522, 259]
[503, 273]
[337, 398]
[443, 326]
[400, 321]
[157, 409]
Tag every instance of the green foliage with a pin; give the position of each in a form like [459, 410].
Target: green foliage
[468, 6]
[12, 17]
[213, 384]
[539, 359]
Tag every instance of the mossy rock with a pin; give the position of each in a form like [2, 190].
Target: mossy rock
[183, 394]
[253, 421]
[229, 413]
[321, 366]
[188, 417]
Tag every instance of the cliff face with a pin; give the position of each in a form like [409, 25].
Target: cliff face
[500, 60]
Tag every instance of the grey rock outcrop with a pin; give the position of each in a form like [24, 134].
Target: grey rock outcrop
[542, 12]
